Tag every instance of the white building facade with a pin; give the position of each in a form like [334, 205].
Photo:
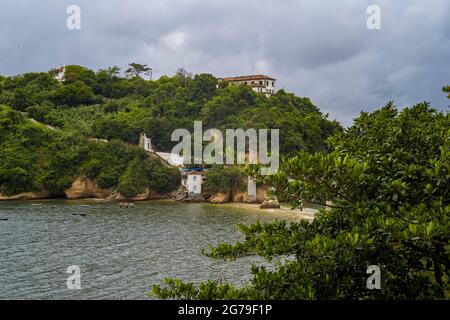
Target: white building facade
[259, 83]
[194, 183]
[145, 143]
[59, 73]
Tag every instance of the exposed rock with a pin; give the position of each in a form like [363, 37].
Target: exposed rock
[176, 195]
[84, 187]
[147, 195]
[138, 197]
[237, 194]
[153, 195]
[192, 199]
[206, 194]
[179, 197]
[27, 196]
[270, 204]
[262, 193]
[221, 197]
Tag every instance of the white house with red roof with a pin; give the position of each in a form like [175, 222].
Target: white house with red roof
[259, 83]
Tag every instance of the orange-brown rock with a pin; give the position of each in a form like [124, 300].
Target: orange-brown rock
[270, 204]
[262, 193]
[221, 197]
[84, 187]
[237, 195]
[147, 195]
[27, 196]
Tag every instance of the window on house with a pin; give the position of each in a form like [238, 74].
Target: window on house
[194, 188]
[194, 178]
[260, 83]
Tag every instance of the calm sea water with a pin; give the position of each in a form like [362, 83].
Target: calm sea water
[121, 252]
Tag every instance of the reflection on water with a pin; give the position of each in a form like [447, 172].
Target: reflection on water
[121, 252]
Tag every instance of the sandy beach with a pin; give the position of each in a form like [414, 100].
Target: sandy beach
[283, 212]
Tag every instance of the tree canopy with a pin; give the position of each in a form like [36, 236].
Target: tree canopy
[447, 90]
[35, 158]
[122, 107]
[102, 104]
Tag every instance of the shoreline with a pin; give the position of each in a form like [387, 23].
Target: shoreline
[307, 213]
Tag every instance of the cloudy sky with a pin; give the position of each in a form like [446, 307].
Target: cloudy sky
[318, 49]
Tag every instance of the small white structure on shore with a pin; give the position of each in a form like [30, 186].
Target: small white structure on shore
[251, 190]
[145, 143]
[193, 182]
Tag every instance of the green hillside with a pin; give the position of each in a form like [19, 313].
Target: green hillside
[101, 104]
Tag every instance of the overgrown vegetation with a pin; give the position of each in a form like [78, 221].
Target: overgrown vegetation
[104, 105]
[224, 178]
[35, 158]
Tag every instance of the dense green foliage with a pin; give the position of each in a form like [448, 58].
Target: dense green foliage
[35, 158]
[104, 105]
[447, 90]
[223, 179]
[388, 178]
[148, 173]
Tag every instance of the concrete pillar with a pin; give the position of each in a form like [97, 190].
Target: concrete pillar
[251, 190]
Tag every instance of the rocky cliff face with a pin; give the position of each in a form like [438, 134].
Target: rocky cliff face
[237, 195]
[84, 187]
[147, 195]
[221, 197]
[270, 204]
[262, 193]
[27, 196]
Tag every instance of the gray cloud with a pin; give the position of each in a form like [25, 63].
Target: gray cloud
[321, 50]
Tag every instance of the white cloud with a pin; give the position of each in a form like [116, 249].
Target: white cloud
[175, 40]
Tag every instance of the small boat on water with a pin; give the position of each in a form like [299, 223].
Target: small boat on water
[4, 219]
[79, 214]
[126, 205]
